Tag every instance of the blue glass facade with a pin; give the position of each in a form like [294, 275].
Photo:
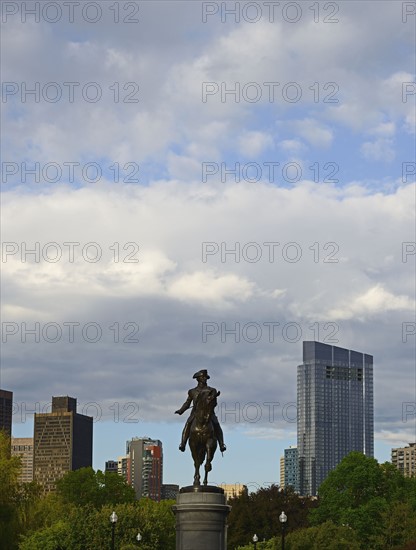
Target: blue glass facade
[335, 410]
[291, 467]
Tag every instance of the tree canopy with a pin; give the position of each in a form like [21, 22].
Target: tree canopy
[17, 500]
[77, 516]
[259, 513]
[88, 528]
[85, 486]
[362, 505]
[368, 497]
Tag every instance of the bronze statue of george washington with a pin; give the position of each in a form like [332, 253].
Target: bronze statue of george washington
[201, 376]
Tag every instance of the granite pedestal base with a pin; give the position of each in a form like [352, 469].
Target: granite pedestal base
[201, 518]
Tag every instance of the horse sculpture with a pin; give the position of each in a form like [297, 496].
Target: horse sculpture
[202, 439]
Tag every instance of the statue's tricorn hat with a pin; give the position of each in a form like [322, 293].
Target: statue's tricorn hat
[201, 373]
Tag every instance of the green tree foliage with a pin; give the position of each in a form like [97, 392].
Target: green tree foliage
[353, 483]
[54, 537]
[77, 516]
[399, 526]
[408, 546]
[17, 500]
[48, 510]
[259, 513]
[89, 528]
[326, 536]
[362, 505]
[9, 513]
[85, 486]
[369, 498]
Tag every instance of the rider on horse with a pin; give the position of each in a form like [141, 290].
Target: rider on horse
[201, 376]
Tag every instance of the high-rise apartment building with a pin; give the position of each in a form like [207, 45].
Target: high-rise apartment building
[404, 458]
[290, 466]
[23, 447]
[6, 408]
[335, 410]
[62, 442]
[146, 467]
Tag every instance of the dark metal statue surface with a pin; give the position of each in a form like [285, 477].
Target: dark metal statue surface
[202, 427]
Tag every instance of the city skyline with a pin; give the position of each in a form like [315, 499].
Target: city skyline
[185, 188]
[223, 412]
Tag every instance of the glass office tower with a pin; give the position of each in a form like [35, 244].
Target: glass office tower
[335, 410]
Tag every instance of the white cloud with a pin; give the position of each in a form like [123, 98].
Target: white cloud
[292, 145]
[315, 133]
[171, 261]
[210, 289]
[399, 438]
[183, 167]
[373, 301]
[384, 129]
[376, 106]
[380, 149]
[253, 144]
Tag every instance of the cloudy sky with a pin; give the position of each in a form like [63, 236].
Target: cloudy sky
[192, 185]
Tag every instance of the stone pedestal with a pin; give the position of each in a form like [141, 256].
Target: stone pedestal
[201, 518]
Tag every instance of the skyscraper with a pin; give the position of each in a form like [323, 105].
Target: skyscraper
[146, 467]
[23, 447]
[62, 442]
[6, 408]
[335, 410]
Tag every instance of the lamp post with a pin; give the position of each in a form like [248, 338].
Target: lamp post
[139, 537]
[255, 539]
[113, 520]
[283, 520]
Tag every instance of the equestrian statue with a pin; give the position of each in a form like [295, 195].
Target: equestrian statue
[202, 428]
